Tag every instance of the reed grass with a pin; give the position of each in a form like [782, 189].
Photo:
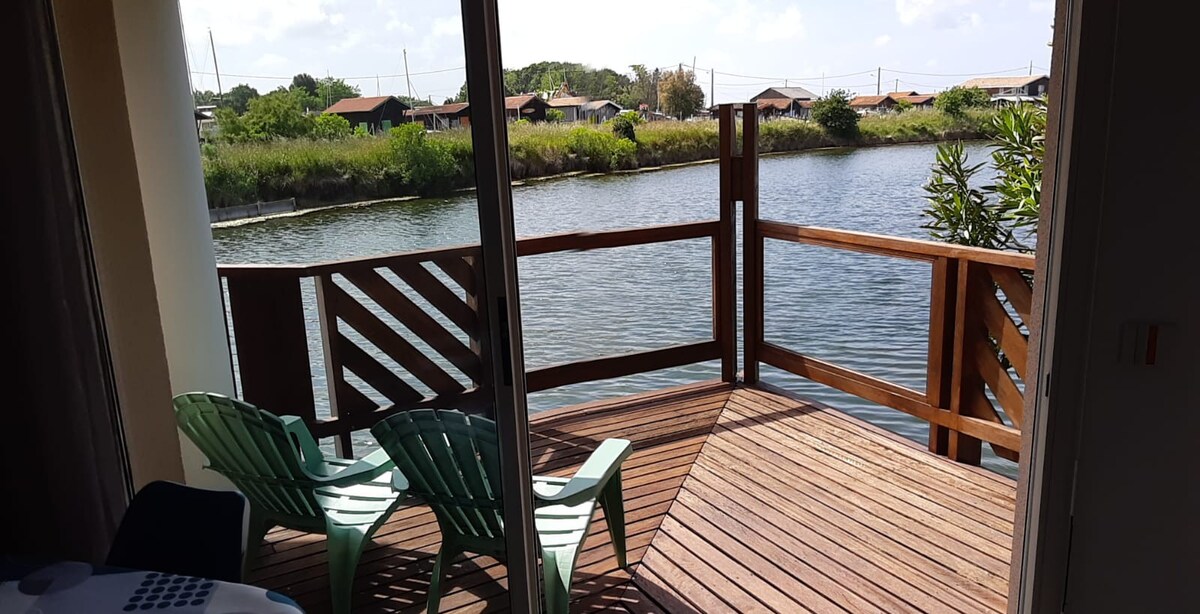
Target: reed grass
[321, 172]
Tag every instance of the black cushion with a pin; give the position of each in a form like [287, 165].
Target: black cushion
[181, 530]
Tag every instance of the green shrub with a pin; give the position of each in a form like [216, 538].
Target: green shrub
[956, 100]
[623, 128]
[903, 105]
[555, 115]
[1019, 147]
[426, 165]
[834, 114]
[958, 212]
[330, 127]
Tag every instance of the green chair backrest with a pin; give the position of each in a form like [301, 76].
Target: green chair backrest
[251, 448]
[452, 462]
[385, 125]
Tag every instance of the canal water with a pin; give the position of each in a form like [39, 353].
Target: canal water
[861, 311]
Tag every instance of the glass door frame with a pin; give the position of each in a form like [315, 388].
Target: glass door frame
[505, 372]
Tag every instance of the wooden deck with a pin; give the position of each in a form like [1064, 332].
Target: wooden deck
[739, 499]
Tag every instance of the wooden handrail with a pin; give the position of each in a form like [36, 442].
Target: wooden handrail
[915, 249]
[259, 294]
[967, 323]
[528, 246]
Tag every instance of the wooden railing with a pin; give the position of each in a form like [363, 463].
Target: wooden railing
[968, 323]
[434, 295]
[979, 301]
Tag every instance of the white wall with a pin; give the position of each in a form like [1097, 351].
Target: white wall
[159, 100]
[1135, 543]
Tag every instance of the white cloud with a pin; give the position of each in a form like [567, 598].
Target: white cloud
[748, 19]
[783, 26]
[270, 60]
[238, 23]
[1041, 6]
[347, 42]
[941, 14]
[882, 40]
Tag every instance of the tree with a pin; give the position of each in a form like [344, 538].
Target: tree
[461, 96]
[555, 115]
[330, 127]
[642, 89]
[903, 105]
[239, 98]
[277, 114]
[834, 114]
[204, 98]
[679, 95]
[332, 89]
[230, 127]
[956, 100]
[306, 82]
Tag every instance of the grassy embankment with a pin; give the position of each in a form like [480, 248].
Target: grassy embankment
[328, 172]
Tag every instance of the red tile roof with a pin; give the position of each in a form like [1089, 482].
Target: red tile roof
[359, 105]
[917, 99]
[868, 101]
[572, 101]
[1001, 82]
[453, 108]
[513, 103]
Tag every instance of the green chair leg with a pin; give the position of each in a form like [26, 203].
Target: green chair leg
[345, 546]
[558, 564]
[256, 532]
[613, 503]
[445, 555]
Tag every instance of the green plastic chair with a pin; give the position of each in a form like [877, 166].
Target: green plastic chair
[277, 464]
[451, 461]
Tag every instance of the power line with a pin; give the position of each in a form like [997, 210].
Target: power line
[970, 74]
[281, 78]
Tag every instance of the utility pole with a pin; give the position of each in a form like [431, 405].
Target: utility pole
[712, 87]
[879, 81]
[377, 85]
[216, 69]
[822, 84]
[1030, 68]
[406, 79]
[897, 86]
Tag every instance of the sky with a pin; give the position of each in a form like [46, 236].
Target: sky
[739, 47]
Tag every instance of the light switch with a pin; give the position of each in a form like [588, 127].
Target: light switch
[1141, 343]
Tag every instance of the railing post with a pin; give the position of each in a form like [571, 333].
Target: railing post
[271, 343]
[943, 298]
[334, 386]
[724, 252]
[752, 244]
[965, 380]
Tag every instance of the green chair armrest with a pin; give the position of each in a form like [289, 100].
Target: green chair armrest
[365, 469]
[299, 435]
[590, 479]
[399, 482]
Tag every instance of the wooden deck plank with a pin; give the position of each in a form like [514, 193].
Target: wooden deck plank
[667, 429]
[848, 472]
[741, 499]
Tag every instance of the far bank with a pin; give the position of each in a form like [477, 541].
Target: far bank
[320, 173]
